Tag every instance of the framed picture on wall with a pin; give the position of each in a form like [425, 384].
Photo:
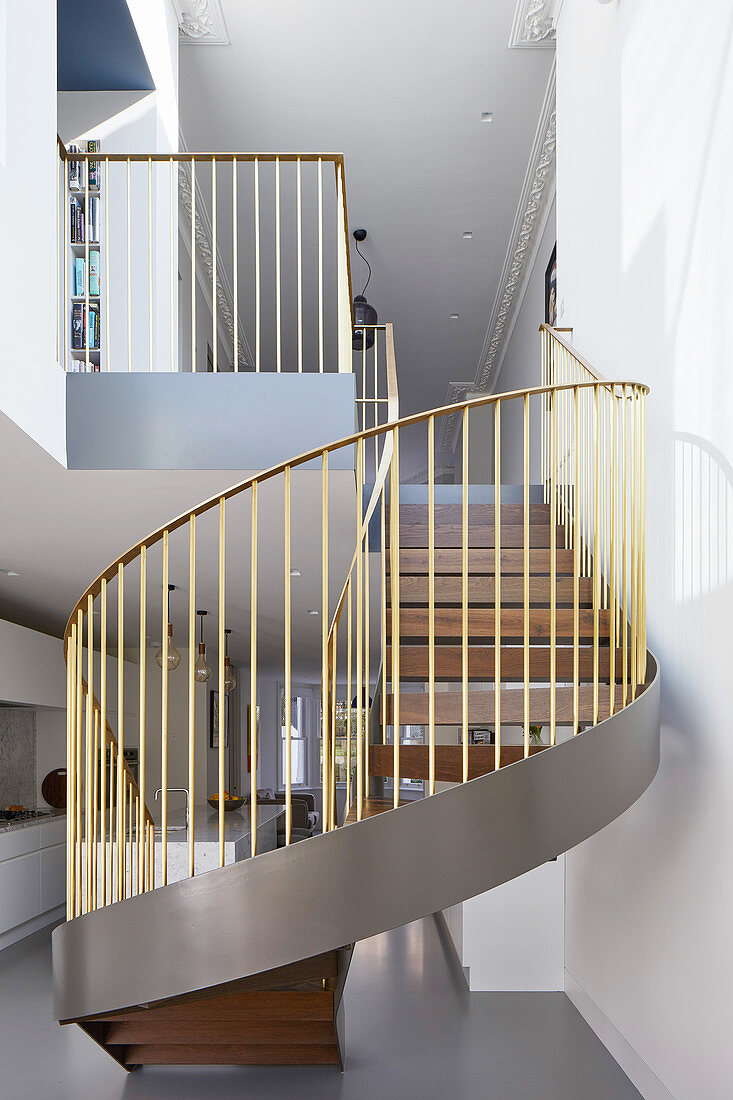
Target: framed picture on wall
[551, 290]
[214, 720]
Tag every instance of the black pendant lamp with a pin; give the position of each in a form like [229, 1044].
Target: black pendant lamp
[364, 314]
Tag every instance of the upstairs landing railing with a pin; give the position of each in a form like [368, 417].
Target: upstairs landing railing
[203, 262]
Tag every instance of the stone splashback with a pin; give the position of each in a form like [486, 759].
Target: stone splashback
[17, 756]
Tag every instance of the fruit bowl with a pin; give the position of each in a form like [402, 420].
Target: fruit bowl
[229, 803]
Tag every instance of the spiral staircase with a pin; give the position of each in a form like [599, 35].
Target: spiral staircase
[503, 604]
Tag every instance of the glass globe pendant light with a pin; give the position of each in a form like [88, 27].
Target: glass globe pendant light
[230, 676]
[174, 657]
[202, 668]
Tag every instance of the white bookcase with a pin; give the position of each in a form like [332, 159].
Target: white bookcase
[81, 359]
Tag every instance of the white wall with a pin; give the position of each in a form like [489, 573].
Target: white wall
[31, 381]
[645, 235]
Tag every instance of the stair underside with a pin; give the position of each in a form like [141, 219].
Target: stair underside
[281, 1017]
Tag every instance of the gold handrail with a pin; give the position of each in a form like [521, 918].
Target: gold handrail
[593, 521]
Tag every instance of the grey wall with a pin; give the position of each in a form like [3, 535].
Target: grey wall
[202, 421]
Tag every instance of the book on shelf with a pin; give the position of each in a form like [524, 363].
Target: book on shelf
[76, 171]
[79, 266]
[76, 223]
[93, 273]
[85, 324]
[93, 219]
[93, 165]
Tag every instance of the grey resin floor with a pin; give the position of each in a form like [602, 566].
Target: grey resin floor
[413, 1030]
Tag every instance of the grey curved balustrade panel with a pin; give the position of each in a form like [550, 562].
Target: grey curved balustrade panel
[357, 881]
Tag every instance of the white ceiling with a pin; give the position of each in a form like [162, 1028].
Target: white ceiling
[399, 88]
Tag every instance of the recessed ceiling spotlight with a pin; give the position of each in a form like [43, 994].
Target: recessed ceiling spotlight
[487, 116]
[295, 572]
[9, 572]
[311, 611]
[467, 234]
[454, 316]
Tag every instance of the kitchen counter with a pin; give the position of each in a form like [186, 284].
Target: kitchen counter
[11, 826]
[237, 839]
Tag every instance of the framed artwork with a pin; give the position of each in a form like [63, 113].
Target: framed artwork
[214, 720]
[551, 289]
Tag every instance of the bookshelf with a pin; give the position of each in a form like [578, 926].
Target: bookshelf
[84, 223]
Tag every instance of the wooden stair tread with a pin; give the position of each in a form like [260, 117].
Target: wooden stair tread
[415, 760]
[243, 1033]
[448, 662]
[243, 1007]
[481, 590]
[479, 534]
[481, 560]
[372, 806]
[478, 513]
[414, 622]
[414, 706]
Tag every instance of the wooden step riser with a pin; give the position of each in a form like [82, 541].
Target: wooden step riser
[243, 1008]
[414, 760]
[450, 535]
[482, 561]
[149, 1054]
[414, 623]
[448, 663]
[415, 708]
[196, 1033]
[511, 514]
[482, 590]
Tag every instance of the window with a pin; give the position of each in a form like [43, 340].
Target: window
[298, 740]
[341, 742]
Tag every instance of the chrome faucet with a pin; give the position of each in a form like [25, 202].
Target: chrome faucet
[182, 790]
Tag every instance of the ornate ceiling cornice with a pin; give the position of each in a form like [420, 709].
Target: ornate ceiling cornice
[535, 199]
[534, 24]
[201, 23]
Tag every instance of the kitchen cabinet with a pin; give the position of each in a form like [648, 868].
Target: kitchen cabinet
[32, 878]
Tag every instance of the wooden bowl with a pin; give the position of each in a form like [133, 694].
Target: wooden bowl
[229, 803]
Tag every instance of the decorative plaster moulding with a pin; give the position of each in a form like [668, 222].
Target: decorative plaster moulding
[534, 24]
[534, 204]
[201, 23]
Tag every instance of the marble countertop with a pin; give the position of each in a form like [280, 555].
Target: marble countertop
[237, 824]
[48, 815]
